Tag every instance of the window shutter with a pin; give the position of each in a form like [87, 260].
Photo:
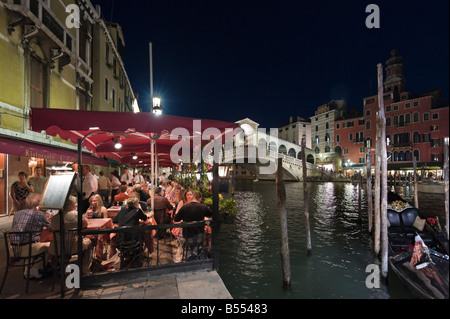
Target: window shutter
[37, 83]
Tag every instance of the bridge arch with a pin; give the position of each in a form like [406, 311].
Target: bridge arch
[310, 159]
[291, 152]
[282, 149]
[262, 143]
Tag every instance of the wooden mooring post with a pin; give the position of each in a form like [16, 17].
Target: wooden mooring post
[446, 182]
[369, 189]
[359, 197]
[381, 199]
[281, 195]
[305, 198]
[416, 192]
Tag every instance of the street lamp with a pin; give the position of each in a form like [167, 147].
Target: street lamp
[156, 105]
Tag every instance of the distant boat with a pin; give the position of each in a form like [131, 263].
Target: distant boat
[431, 187]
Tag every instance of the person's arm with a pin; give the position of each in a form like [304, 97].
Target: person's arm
[84, 222]
[141, 215]
[13, 190]
[180, 204]
[116, 218]
[104, 212]
[179, 216]
[30, 187]
[168, 204]
[45, 221]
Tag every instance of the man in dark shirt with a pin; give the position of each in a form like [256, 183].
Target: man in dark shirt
[162, 207]
[194, 211]
[130, 215]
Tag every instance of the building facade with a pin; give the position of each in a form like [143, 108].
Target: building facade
[50, 57]
[349, 143]
[295, 130]
[416, 125]
[322, 132]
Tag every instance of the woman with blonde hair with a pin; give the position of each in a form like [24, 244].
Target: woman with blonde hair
[96, 208]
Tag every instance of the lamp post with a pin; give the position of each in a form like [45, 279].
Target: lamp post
[155, 100]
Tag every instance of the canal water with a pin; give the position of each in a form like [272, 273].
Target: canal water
[249, 249]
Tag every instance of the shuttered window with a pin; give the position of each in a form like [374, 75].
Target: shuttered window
[37, 83]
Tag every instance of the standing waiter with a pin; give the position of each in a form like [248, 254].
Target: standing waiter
[90, 187]
[127, 177]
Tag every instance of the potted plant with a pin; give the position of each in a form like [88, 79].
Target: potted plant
[227, 208]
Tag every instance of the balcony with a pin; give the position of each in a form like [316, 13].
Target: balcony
[40, 21]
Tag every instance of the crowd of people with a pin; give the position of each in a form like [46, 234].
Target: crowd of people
[171, 203]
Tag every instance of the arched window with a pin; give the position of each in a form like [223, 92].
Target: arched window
[395, 156]
[408, 156]
[401, 156]
[327, 149]
[388, 121]
[317, 150]
[402, 120]
[395, 141]
[416, 117]
[408, 118]
[417, 155]
[416, 137]
[396, 120]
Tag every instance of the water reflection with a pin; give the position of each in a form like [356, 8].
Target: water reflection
[250, 262]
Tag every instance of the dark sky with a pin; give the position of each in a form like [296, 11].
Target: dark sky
[269, 59]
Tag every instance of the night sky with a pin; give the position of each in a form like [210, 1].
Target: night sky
[268, 60]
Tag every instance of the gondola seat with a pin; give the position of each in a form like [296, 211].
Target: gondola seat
[402, 228]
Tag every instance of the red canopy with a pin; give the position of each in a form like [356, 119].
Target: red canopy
[132, 130]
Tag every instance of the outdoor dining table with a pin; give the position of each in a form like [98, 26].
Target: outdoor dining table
[113, 210]
[99, 223]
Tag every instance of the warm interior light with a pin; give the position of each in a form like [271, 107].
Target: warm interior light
[135, 156]
[117, 144]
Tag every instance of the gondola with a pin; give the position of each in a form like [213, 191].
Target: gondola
[418, 250]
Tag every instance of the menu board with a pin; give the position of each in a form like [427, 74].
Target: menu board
[57, 190]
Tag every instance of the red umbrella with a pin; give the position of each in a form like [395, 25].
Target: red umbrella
[133, 130]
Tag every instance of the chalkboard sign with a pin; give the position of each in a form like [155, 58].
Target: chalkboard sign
[57, 191]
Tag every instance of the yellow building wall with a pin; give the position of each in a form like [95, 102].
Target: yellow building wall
[62, 96]
[11, 81]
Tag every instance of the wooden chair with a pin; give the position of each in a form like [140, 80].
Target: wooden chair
[193, 245]
[19, 248]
